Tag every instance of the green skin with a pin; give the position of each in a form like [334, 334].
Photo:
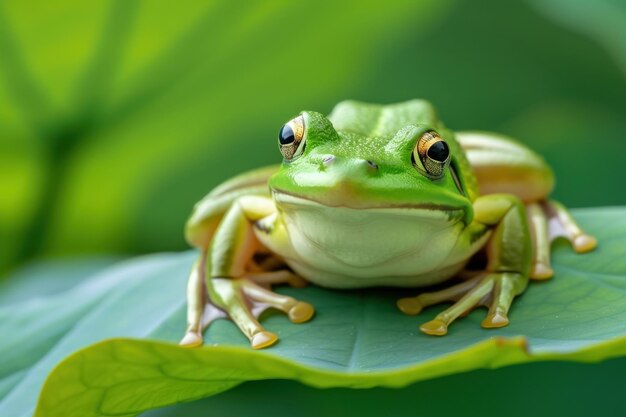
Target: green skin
[357, 203]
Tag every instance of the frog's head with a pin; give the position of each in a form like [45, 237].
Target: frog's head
[366, 156]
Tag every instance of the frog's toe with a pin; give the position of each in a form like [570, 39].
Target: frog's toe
[301, 312]
[191, 339]
[435, 327]
[410, 305]
[263, 339]
[296, 281]
[297, 311]
[414, 305]
[584, 243]
[495, 320]
[541, 271]
[538, 222]
[230, 296]
[283, 276]
[479, 289]
[506, 286]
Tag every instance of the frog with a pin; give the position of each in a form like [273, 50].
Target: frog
[377, 195]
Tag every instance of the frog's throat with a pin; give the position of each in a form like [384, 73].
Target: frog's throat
[370, 242]
[422, 210]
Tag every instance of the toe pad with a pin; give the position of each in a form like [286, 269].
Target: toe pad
[495, 321]
[584, 243]
[191, 339]
[263, 339]
[409, 306]
[435, 328]
[301, 312]
[541, 272]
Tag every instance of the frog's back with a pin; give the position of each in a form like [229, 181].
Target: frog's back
[384, 120]
[376, 120]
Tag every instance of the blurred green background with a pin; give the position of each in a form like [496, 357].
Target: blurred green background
[116, 116]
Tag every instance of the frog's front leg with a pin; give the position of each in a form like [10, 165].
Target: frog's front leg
[505, 276]
[502, 165]
[225, 279]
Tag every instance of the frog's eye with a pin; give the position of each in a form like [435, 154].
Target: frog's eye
[291, 138]
[431, 155]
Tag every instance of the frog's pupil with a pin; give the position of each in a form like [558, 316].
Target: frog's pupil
[438, 151]
[286, 136]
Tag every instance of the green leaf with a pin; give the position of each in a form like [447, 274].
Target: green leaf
[532, 389]
[63, 273]
[357, 338]
[31, 327]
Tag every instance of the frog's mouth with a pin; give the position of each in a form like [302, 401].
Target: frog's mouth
[363, 210]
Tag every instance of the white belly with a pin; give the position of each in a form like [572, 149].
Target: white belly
[340, 247]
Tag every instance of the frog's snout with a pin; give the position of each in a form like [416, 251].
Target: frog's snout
[363, 164]
[329, 160]
[372, 165]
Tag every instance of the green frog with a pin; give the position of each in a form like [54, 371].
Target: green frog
[376, 195]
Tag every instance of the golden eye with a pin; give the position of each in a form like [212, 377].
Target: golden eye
[291, 138]
[431, 155]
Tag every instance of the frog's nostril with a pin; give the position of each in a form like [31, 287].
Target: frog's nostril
[328, 159]
[372, 165]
